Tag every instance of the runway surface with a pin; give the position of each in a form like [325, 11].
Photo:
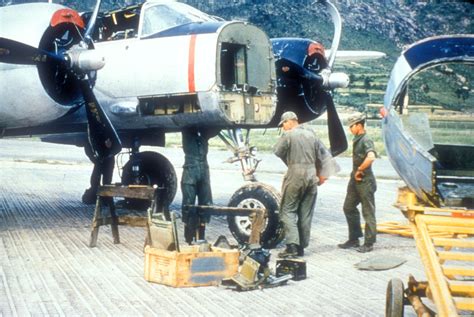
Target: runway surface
[46, 267]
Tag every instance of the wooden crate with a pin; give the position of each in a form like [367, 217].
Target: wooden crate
[189, 267]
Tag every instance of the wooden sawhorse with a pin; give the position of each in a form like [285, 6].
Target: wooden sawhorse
[106, 193]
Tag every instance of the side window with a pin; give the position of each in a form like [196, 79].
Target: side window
[161, 17]
[118, 25]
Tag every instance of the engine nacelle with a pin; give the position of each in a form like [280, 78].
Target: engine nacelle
[47, 90]
[302, 77]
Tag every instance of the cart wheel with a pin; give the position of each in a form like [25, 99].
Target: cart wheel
[394, 299]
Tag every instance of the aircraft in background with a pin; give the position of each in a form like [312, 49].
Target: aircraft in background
[124, 78]
[440, 172]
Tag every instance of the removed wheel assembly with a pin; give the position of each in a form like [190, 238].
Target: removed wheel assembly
[257, 195]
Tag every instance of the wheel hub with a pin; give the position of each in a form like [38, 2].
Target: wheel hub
[245, 222]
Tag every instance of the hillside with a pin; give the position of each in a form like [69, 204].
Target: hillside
[376, 25]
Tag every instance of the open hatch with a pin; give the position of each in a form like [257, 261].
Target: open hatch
[438, 113]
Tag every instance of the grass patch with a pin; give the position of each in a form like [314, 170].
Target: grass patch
[43, 161]
[264, 140]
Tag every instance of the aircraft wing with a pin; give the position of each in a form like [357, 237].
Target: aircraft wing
[357, 56]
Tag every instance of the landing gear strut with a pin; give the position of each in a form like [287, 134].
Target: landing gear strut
[243, 152]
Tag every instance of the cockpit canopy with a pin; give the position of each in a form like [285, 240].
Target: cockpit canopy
[143, 20]
[160, 16]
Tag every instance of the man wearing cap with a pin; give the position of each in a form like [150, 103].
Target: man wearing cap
[361, 188]
[305, 156]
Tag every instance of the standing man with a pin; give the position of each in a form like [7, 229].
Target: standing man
[195, 182]
[307, 159]
[361, 188]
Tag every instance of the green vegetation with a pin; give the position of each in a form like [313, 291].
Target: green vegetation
[448, 86]
[443, 132]
[265, 139]
[368, 82]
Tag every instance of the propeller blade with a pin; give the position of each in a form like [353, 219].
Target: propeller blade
[13, 52]
[91, 24]
[337, 21]
[337, 136]
[102, 136]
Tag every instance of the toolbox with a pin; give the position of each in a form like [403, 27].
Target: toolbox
[190, 267]
[295, 267]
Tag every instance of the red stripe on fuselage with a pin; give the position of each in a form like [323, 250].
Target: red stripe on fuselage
[192, 52]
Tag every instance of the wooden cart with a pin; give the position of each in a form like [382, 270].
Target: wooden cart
[448, 261]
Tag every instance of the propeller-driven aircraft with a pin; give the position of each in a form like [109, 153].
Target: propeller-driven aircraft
[440, 172]
[124, 78]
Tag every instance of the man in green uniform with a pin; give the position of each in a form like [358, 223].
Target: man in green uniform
[305, 156]
[195, 182]
[361, 188]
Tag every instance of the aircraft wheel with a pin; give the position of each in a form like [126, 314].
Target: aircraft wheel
[394, 300]
[256, 195]
[155, 169]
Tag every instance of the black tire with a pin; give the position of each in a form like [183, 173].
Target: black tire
[155, 169]
[255, 195]
[394, 300]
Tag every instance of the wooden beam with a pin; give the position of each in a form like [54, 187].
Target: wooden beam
[464, 303]
[462, 288]
[451, 229]
[459, 271]
[456, 256]
[459, 243]
[447, 221]
[132, 191]
[216, 210]
[438, 284]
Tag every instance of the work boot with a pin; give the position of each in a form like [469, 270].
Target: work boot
[189, 234]
[365, 248]
[202, 232]
[290, 251]
[349, 244]
[300, 251]
[89, 197]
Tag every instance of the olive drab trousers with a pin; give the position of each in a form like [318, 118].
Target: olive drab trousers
[299, 192]
[361, 192]
[195, 183]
